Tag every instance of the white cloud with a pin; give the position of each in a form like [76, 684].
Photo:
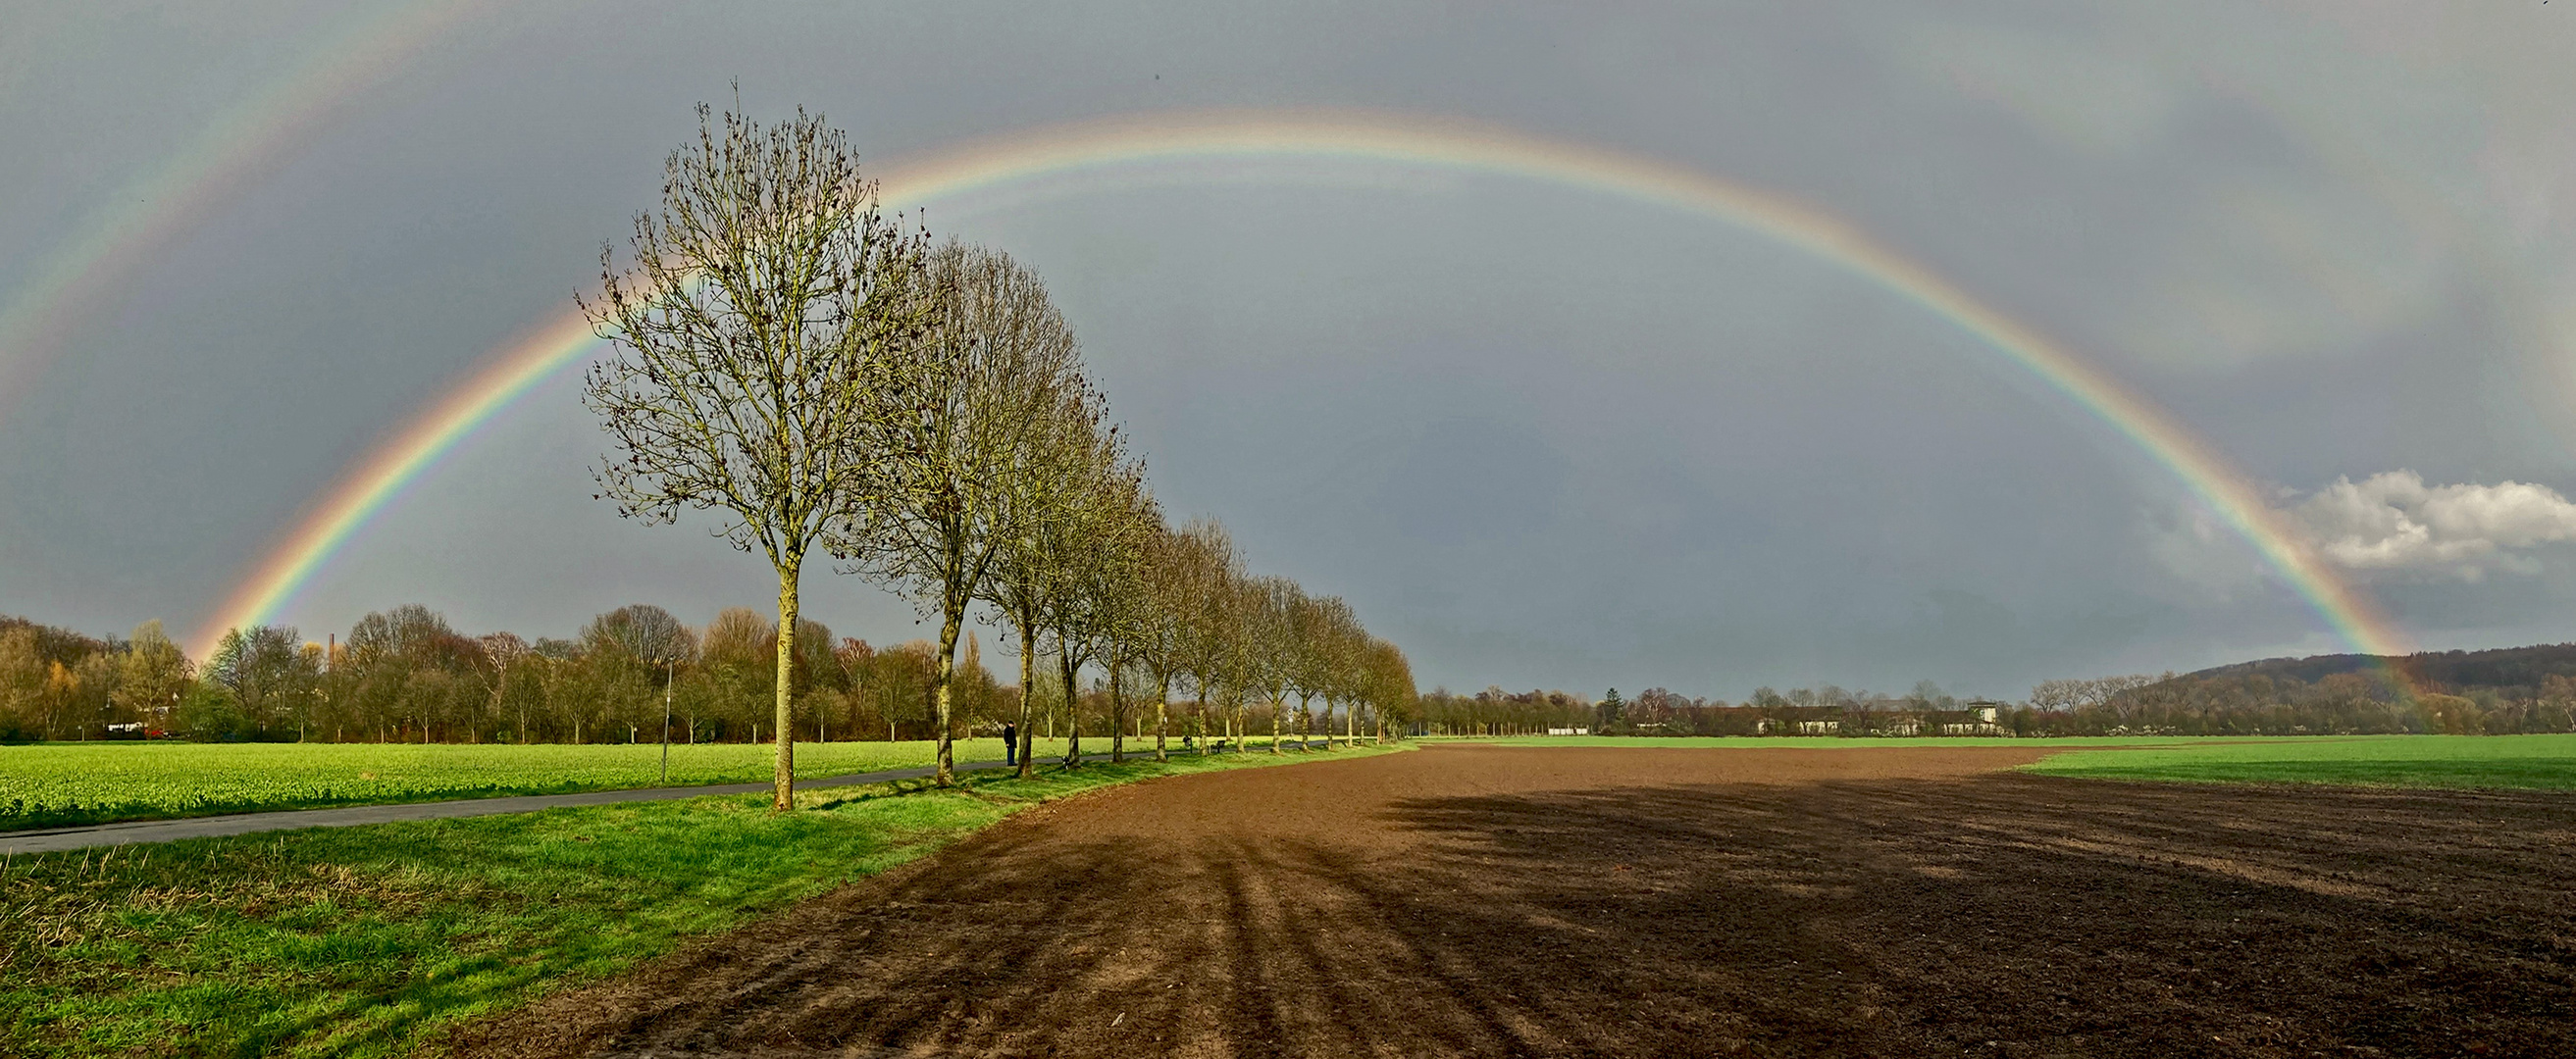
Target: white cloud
[2394, 522]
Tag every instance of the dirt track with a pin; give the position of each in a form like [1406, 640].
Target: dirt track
[1491, 901]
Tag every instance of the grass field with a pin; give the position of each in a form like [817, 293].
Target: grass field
[1809, 742]
[2546, 762]
[359, 941]
[65, 784]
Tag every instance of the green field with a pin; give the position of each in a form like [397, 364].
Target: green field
[364, 940]
[1813, 742]
[64, 784]
[2546, 762]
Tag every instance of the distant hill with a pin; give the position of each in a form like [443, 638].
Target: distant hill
[2455, 671]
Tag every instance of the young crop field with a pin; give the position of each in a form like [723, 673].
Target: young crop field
[357, 941]
[2543, 762]
[67, 784]
[1747, 742]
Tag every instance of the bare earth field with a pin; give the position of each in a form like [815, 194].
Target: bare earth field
[1626, 902]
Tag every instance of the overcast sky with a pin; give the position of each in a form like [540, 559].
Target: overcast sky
[1539, 437]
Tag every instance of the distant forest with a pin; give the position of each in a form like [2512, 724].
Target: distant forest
[406, 675]
[2499, 692]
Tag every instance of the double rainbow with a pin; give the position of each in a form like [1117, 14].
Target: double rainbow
[1058, 151]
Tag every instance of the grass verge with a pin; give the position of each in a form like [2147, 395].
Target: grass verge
[360, 941]
[2545, 762]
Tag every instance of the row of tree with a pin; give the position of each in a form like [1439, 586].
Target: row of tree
[830, 380]
[406, 675]
[2232, 701]
[2365, 702]
[1656, 711]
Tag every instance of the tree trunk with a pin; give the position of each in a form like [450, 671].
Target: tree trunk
[1028, 698]
[1162, 700]
[784, 783]
[1117, 718]
[1072, 712]
[949, 623]
[1278, 705]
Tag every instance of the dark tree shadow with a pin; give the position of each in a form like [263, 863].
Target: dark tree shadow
[1998, 916]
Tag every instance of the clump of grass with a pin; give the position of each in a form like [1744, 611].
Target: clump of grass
[359, 941]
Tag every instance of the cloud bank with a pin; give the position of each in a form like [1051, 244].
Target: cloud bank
[2394, 523]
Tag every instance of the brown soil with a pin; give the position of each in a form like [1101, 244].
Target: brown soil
[1638, 902]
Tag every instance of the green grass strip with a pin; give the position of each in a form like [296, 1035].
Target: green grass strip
[69, 784]
[2542, 762]
[361, 941]
[1809, 742]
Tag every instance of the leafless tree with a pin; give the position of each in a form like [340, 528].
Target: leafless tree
[997, 360]
[1271, 611]
[1176, 564]
[759, 331]
[502, 651]
[1094, 545]
[1317, 623]
[1030, 571]
[1205, 600]
[1123, 609]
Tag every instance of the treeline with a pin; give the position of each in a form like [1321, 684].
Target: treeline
[2251, 699]
[2233, 701]
[407, 675]
[2515, 672]
[1824, 710]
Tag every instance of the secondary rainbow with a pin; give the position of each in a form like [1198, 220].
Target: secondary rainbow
[1056, 151]
[245, 142]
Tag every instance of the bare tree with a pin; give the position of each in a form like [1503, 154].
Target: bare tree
[1176, 564]
[998, 358]
[644, 631]
[502, 651]
[1207, 629]
[1349, 642]
[1316, 622]
[759, 333]
[1030, 572]
[1387, 684]
[1123, 609]
[1271, 609]
[1094, 545]
[1235, 608]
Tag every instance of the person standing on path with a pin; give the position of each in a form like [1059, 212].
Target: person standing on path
[1011, 745]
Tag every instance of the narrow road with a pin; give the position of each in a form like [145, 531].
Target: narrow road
[53, 840]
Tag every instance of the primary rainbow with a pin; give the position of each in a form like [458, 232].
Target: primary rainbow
[1069, 149]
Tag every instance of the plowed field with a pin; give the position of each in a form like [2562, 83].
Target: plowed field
[1620, 902]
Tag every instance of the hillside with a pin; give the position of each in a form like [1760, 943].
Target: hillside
[2503, 667]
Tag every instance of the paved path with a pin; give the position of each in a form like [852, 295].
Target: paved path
[49, 840]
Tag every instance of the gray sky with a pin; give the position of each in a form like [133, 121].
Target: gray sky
[1538, 436]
